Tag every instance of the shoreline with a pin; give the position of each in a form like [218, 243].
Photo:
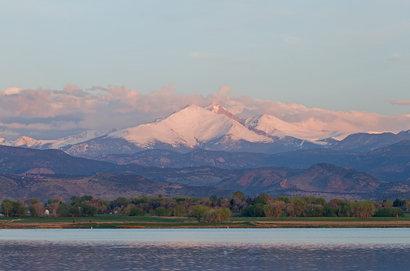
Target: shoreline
[19, 224]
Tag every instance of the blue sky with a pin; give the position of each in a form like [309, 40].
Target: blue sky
[340, 55]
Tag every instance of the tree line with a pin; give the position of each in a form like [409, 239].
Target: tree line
[210, 209]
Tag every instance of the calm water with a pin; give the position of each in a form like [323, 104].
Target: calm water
[206, 249]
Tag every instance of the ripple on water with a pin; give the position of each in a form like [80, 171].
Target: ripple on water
[197, 254]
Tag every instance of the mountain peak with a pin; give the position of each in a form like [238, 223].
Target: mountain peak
[310, 129]
[27, 141]
[219, 109]
[191, 107]
[192, 126]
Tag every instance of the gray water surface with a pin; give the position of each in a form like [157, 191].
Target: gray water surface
[205, 249]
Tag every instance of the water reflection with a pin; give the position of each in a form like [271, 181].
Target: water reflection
[205, 250]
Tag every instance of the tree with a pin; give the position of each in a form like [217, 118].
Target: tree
[299, 205]
[214, 200]
[36, 207]
[274, 208]
[83, 206]
[132, 210]
[263, 199]
[54, 206]
[254, 210]
[161, 211]
[86, 209]
[388, 212]
[17, 208]
[179, 210]
[315, 200]
[362, 209]
[7, 207]
[217, 215]
[278, 207]
[399, 203]
[238, 202]
[224, 214]
[313, 210]
[199, 212]
[387, 203]
[339, 207]
[267, 210]
[119, 203]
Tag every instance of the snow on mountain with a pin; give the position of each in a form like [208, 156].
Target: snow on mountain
[211, 128]
[29, 142]
[190, 127]
[76, 139]
[310, 129]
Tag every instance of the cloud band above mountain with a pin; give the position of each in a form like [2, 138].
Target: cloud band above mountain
[47, 113]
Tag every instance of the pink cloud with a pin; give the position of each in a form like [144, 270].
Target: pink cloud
[400, 102]
[106, 108]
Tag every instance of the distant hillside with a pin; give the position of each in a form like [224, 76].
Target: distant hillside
[196, 158]
[390, 163]
[15, 160]
[320, 180]
[106, 186]
[364, 142]
[28, 173]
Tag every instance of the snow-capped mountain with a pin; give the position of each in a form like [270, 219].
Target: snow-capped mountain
[29, 142]
[193, 127]
[311, 130]
[211, 128]
[216, 108]
[76, 139]
[190, 127]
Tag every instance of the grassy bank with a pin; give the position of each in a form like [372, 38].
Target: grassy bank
[111, 221]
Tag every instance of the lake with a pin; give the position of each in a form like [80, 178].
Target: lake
[205, 249]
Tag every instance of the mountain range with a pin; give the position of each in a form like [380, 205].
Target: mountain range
[208, 150]
[209, 128]
[52, 173]
[26, 173]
